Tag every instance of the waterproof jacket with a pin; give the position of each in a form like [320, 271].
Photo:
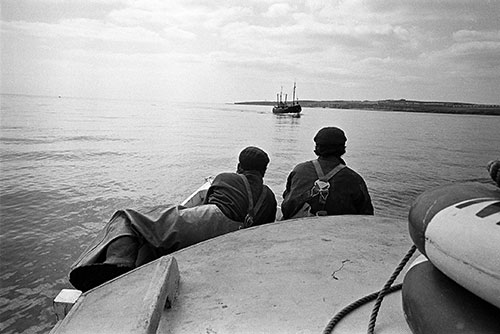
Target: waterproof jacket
[229, 193]
[348, 192]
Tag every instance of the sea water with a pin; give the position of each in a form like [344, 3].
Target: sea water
[67, 164]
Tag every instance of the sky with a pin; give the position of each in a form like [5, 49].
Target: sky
[232, 50]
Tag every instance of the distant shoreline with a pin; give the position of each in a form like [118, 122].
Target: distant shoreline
[397, 105]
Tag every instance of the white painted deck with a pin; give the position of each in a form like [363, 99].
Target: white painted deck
[277, 278]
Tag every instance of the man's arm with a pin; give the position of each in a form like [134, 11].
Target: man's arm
[294, 196]
[366, 207]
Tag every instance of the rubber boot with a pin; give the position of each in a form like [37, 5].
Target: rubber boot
[112, 253]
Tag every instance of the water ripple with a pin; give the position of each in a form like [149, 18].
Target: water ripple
[68, 164]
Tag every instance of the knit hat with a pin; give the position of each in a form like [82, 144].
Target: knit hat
[253, 158]
[330, 136]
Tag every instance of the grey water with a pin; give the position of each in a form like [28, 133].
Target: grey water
[67, 164]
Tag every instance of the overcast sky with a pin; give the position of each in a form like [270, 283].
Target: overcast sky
[227, 51]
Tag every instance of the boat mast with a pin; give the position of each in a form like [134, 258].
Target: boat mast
[293, 99]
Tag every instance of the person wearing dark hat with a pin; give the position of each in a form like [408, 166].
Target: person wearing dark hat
[229, 194]
[326, 186]
[233, 201]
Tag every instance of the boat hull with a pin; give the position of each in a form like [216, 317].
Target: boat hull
[289, 277]
[198, 196]
[293, 109]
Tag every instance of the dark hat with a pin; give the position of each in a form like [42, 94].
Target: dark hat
[253, 158]
[330, 136]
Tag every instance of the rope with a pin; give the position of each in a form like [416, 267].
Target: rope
[378, 295]
[346, 310]
[382, 293]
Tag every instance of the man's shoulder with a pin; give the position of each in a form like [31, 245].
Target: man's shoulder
[269, 191]
[225, 178]
[304, 166]
[226, 175]
[347, 171]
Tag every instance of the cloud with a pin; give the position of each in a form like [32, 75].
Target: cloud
[475, 47]
[471, 51]
[178, 14]
[83, 28]
[474, 35]
[349, 41]
[278, 10]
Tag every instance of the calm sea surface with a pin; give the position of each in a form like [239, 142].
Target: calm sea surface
[68, 164]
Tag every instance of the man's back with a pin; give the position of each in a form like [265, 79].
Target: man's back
[229, 193]
[348, 193]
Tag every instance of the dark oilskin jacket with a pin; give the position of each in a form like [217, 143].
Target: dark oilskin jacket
[348, 191]
[228, 192]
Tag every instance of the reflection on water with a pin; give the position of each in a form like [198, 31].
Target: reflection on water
[68, 164]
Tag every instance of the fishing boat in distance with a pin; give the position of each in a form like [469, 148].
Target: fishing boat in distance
[282, 107]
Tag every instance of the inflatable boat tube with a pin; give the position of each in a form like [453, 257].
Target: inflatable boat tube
[434, 304]
[458, 228]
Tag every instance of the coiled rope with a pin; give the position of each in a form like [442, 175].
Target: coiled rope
[378, 295]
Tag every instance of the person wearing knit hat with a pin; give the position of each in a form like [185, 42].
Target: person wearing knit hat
[228, 189]
[326, 186]
[330, 141]
[253, 158]
[233, 201]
